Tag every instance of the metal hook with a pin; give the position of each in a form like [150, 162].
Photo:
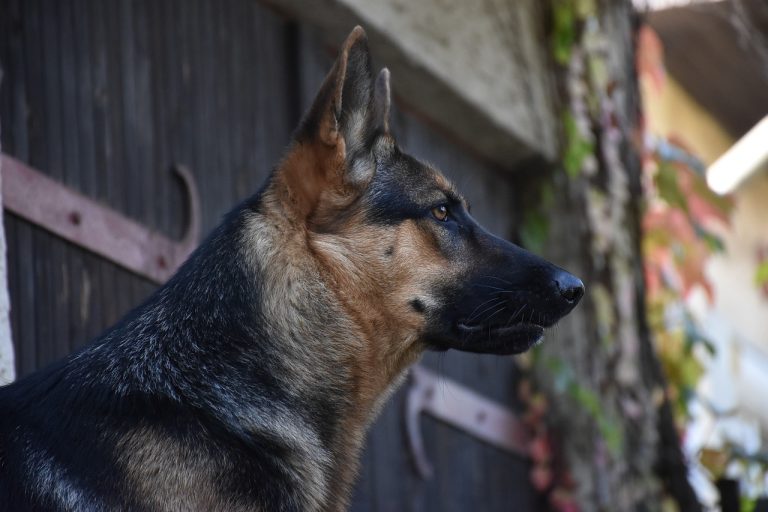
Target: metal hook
[35, 197]
[461, 408]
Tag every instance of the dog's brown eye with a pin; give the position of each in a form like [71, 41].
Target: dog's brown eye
[440, 212]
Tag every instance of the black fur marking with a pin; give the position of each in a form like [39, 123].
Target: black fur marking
[417, 305]
[402, 188]
[188, 363]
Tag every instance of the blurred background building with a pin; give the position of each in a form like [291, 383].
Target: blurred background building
[708, 90]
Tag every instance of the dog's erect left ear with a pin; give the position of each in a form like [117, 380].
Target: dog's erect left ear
[333, 158]
[381, 101]
[343, 110]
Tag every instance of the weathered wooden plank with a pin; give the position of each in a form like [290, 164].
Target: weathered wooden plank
[131, 120]
[61, 254]
[54, 151]
[67, 94]
[13, 276]
[205, 81]
[45, 257]
[160, 67]
[15, 126]
[25, 331]
[34, 72]
[117, 192]
[276, 112]
[390, 470]
[92, 307]
[233, 28]
[78, 305]
[6, 99]
[119, 183]
[140, 116]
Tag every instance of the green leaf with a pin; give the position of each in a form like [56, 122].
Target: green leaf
[761, 273]
[669, 189]
[610, 430]
[747, 504]
[714, 243]
[547, 195]
[564, 31]
[606, 317]
[694, 336]
[534, 231]
[587, 399]
[612, 435]
[577, 147]
[562, 374]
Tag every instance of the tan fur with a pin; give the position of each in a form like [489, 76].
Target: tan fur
[308, 252]
[146, 457]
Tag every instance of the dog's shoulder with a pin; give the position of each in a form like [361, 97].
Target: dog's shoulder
[59, 451]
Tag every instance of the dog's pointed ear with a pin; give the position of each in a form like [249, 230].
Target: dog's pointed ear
[340, 110]
[332, 158]
[381, 101]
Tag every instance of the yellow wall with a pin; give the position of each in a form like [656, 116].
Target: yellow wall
[672, 113]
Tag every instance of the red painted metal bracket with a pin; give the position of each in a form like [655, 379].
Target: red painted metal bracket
[461, 408]
[32, 195]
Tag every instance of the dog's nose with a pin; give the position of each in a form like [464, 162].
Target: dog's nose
[570, 287]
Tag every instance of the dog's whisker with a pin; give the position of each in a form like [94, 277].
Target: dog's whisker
[495, 313]
[496, 302]
[497, 278]
[514, 316]
[483, 304]
[479, 316]
[479, 285]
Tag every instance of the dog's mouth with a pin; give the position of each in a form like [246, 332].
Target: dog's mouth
[485, 338]
[498, 339]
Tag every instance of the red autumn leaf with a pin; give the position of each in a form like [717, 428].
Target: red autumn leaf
[542, 477]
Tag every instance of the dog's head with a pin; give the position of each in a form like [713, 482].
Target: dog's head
[397, 240]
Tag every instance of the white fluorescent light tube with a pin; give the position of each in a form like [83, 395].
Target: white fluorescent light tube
[746, 156]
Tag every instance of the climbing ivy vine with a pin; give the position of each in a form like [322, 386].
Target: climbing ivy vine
[598, 435]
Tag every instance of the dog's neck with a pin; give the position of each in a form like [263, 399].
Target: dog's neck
[261, 330]
[335, 348]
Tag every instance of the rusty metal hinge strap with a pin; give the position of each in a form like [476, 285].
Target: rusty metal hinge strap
[35, 197]
[461, 408]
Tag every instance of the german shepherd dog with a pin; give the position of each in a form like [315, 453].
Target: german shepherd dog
[248, 381]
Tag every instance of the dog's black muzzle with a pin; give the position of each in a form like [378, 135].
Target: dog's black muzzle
[506, 301]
